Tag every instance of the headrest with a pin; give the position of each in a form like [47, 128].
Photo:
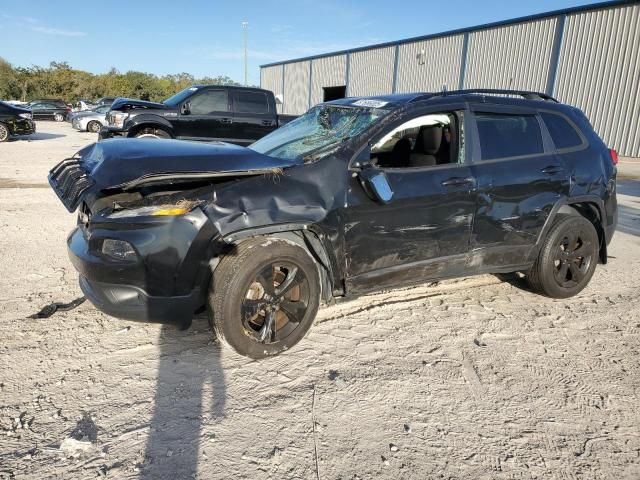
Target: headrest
[429, 139]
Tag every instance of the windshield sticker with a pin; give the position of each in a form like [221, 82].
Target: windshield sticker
[370, 103]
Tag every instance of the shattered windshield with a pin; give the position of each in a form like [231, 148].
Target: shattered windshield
[318, 132]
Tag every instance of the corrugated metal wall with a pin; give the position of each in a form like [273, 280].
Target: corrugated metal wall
[271, 79]
[296, 88]
[327, 72]
[599, 72]
[442, 58]
[514, 56]
[371, 72]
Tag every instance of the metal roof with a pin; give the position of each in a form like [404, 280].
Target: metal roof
[528, 18]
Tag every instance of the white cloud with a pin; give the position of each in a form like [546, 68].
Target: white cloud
[36, 25]
[57, 31]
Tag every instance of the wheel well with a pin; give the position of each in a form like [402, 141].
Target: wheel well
[143, 126]
[304, 239]
[591, 212]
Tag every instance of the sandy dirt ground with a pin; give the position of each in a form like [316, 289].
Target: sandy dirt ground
[467, 379]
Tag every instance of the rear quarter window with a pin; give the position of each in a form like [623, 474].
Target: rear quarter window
[507, 135]
[563, 134]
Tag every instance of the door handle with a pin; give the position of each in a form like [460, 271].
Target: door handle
[456, 181]
[267, 123]
[226, 120]
[552, 170]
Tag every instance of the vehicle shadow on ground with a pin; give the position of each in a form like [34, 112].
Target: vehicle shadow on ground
[190, 394]
[39, 136]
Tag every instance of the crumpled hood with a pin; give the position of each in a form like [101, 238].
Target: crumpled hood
[130, 162]
[122, 103]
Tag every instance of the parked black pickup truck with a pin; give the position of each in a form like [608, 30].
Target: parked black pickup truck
[202, 112]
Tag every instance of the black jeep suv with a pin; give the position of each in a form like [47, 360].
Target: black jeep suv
[357, 194]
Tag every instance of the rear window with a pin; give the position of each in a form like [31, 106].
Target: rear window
[252, 102]
[563, 134]
[504, 135]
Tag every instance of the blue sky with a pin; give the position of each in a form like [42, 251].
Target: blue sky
[205, 37]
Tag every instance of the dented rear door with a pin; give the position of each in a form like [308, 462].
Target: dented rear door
[519, 180]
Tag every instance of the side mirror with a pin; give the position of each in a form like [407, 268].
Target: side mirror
[376, 185]
[186, 108]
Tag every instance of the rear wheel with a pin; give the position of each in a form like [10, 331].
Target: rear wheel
[264, 297]
[58, 117]
[4, 133]
[152, 133]
[94, 126]
[567, 259]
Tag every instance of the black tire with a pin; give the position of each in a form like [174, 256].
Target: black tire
[149, 132]
[94, 126]
[4, 133]
[567, 259]
[58, 117]
[244, 303]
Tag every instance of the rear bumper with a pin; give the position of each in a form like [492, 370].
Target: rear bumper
[133, 303]
[111, 132]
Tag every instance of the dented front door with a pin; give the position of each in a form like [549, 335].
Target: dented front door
[422, 232]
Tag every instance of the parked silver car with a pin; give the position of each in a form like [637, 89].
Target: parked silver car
[90, 120]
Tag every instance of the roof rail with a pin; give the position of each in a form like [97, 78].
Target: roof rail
[522, 93]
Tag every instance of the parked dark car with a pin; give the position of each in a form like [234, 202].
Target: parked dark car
[358, 194]
[203, 112]
[15, 120]
[57, 102]
[49, 110]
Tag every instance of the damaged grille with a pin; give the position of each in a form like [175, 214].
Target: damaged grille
[69, 180]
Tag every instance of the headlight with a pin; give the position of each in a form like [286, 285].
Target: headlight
[117, 118]
[152, 211]
[119, 250]
[28, 116]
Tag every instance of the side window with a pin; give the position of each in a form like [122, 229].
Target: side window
[562, 133]
[251, 102]
[505, 135]
[428, 140]
[209, 101]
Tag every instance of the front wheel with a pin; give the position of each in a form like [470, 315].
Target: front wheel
[58, 117]
[567, 259]
[94, 126]
[4, 133]
[148, 132]
[264, 296]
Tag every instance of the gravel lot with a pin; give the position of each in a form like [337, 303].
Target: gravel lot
[468, 379]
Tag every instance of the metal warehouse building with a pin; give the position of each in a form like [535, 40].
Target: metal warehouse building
[587, 56]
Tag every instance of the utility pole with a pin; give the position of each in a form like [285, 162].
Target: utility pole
[245, 26]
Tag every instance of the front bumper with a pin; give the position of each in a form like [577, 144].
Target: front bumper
[23, 127]
[168, 281]
[133, 303]
[107, 132]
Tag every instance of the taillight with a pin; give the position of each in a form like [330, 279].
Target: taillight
[614, 156]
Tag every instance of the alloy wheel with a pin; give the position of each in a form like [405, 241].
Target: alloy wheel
[275, 302]
[574, 254]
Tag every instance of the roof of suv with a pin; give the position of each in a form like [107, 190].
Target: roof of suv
[499, 96]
